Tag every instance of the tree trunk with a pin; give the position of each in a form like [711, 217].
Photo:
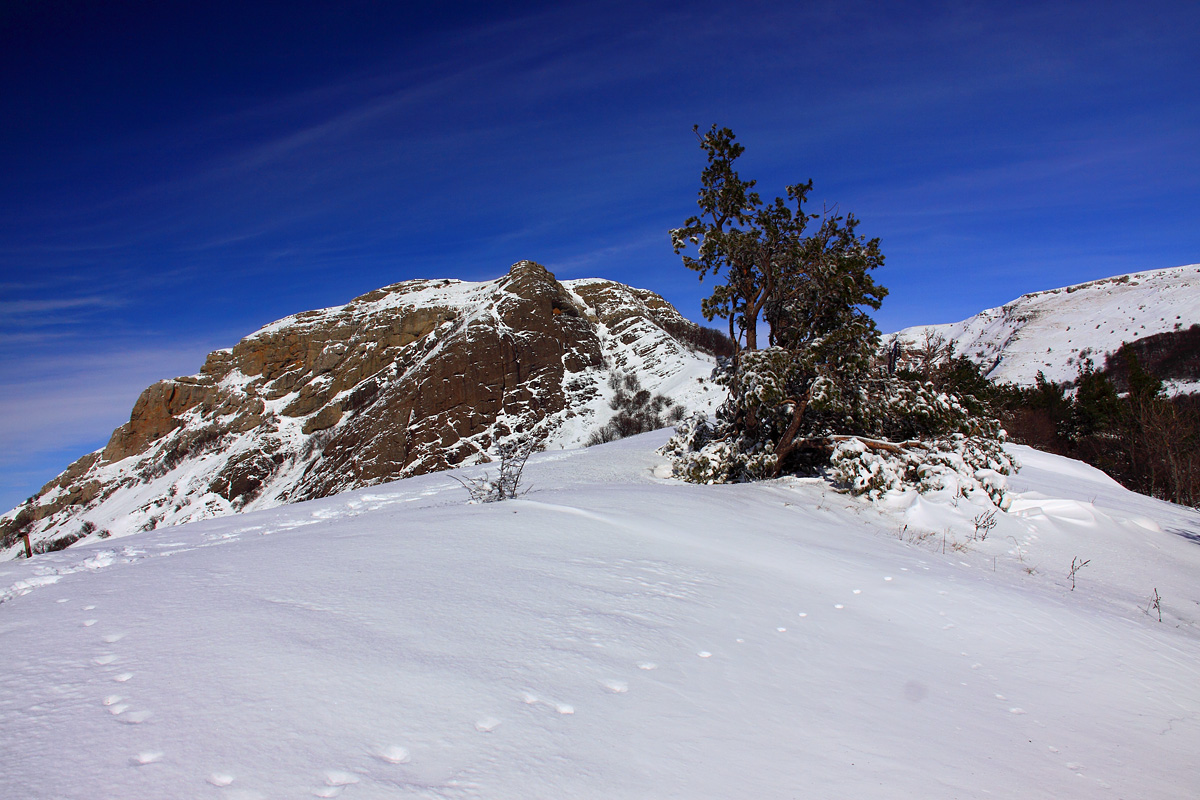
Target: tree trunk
[787, 444]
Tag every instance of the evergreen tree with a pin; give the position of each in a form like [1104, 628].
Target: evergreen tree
[792, 406]
[810, 290]
[1097, 408]
[1049, 397]
[1144, 386]
[735, 233]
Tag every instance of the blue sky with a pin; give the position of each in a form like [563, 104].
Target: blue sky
[174, 175]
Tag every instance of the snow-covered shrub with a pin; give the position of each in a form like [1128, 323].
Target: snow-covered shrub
[871, 435]
[959, 465]
[862, 470]
[699, 457]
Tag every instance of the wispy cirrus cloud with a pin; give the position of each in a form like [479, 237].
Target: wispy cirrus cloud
[43, 309]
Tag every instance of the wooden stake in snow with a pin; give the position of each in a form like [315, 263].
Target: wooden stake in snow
[25, 518]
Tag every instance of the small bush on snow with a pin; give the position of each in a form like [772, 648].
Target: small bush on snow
[507, 485]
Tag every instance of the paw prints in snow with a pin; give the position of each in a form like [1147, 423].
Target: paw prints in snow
[562, 708]
[335, 782]
[393, 754]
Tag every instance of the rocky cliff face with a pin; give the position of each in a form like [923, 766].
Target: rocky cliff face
[419, 376]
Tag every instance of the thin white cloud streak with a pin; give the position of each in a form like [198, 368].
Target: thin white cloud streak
[584, 264]
[443, 81]
[29, 307]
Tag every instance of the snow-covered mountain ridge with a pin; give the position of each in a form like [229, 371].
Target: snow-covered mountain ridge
[1053, 331]
[411, 378]
[617, 634]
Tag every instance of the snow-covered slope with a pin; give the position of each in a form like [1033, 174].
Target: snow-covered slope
[1053, 331]
[616, 634]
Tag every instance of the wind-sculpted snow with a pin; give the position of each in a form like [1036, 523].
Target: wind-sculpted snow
[1054, 331]
[617, 634]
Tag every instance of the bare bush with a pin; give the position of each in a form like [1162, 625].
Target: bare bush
[930, 351]
[1155, 604]
[61, 543]
[984, 523]
[507, 484]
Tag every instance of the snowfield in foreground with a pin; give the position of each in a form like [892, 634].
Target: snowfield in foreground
[616, 634]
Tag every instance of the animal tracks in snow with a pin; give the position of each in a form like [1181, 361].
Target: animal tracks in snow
[117, 705]
[393, 754]
[530, 699]
[487, 724]
[335, 783]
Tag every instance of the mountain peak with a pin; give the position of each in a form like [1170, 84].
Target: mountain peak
[414, 377]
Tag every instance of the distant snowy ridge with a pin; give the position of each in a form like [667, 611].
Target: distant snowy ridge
[411, 378]
[1054, 330]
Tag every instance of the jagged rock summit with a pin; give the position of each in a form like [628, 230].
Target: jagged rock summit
[418, 376]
